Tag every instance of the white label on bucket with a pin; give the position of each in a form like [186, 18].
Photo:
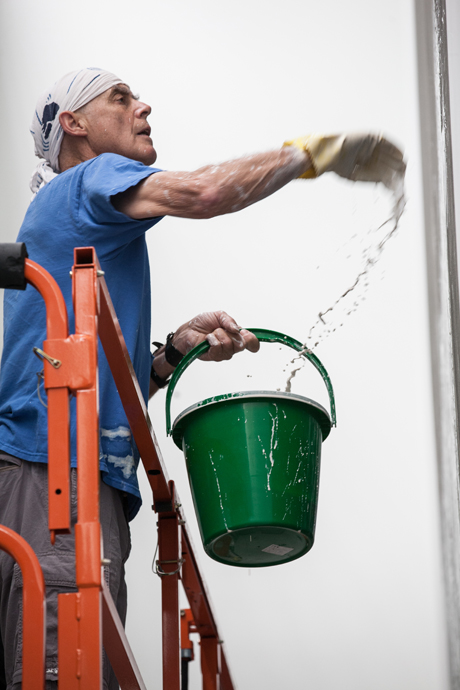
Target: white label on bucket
[277, 550]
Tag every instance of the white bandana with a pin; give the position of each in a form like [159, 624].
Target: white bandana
[73, 91]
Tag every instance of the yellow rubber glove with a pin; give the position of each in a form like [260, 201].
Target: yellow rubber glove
[364, 157]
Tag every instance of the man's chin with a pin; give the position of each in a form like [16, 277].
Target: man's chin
[143, 154]
[147, 156]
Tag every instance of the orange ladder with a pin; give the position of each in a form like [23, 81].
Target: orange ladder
[88, 619]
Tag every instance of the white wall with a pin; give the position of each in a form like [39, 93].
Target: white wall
[364, 608]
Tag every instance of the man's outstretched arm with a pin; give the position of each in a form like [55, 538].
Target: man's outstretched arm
[218, 189]
[214, 189]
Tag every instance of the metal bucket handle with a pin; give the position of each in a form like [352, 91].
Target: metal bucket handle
[265, 336]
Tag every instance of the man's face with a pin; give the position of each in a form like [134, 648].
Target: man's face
[116, 122]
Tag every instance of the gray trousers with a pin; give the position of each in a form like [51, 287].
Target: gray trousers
[24, 508]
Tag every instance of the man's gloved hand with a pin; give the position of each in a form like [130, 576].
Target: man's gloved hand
[364, 157]
[222, 333]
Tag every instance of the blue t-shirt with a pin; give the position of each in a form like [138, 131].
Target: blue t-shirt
[75, 210]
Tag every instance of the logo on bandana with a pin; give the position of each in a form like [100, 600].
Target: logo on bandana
[49, 113]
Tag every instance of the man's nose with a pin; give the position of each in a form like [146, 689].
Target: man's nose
[142, 109]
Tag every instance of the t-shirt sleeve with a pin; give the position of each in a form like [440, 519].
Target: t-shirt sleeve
[104, 177]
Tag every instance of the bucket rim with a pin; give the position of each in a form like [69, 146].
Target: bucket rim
[283, 395]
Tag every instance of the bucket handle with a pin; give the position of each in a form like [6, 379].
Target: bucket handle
[265, 336]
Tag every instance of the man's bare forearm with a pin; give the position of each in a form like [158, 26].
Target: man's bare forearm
[214, 189]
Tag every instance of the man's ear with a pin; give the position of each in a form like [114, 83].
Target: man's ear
[72, 124]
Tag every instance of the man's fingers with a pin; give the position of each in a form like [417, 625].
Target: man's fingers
[209, 321]
[250, 341]
[227, 322]
[224, 345]
[222, 332]
[388, 148]
[386, 170]
[390, 161]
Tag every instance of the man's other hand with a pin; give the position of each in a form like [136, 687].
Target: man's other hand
[221, 331]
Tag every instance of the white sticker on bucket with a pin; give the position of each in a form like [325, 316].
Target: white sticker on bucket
[277, 550]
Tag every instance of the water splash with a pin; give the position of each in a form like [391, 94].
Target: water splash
[331, 319]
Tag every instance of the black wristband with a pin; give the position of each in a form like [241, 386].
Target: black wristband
[159, 382]
[172, 355]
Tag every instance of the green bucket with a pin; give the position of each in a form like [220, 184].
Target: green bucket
[253, 461]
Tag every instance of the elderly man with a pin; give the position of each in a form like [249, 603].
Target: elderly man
[94, 186]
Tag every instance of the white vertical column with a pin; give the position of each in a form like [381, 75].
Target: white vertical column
[442, 270]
